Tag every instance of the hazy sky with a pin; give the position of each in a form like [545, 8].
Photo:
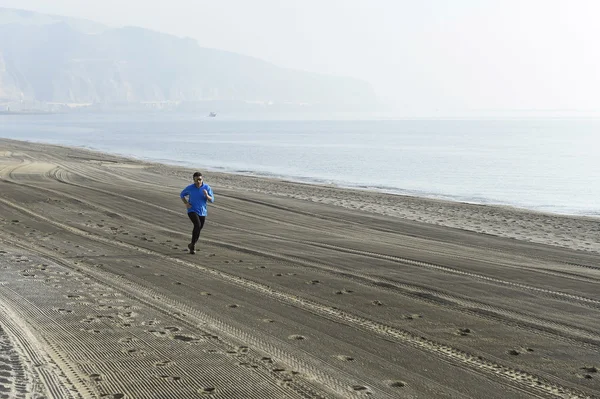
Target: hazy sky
[423, 56]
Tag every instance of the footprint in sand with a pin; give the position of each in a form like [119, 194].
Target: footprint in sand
[464, 332]
[360, 388]
[287, 374]
[397, 384]
[64, 311]
[90, 331]
[186, 338]
[590, 370]
[207, 390]
[134, 352]
[170, 378]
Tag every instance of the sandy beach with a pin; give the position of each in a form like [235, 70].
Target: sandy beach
[296, 290]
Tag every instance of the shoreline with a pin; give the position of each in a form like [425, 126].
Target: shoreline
[378, 190]
[449, 198]
[580, 232]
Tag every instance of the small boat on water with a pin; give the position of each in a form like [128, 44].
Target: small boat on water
[212, 114]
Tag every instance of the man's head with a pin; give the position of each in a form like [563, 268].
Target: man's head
[198, 178]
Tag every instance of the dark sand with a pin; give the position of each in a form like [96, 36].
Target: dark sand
[296, 291]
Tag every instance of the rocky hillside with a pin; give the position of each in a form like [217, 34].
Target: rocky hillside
[51, 59]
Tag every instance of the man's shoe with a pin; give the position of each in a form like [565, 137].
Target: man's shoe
[191, 248]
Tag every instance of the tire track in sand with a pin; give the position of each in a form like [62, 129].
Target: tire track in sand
[455, 302]
[515, 377]
[214, 329]
[101, 177]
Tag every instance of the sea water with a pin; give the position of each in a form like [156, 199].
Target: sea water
[550, 165]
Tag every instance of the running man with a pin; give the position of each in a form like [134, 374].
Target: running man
[199, 194]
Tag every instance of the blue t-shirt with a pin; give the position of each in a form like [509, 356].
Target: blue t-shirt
[197, 198]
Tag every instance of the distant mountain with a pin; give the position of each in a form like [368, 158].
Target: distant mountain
[52, 59]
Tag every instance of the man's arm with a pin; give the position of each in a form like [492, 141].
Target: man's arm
[209, 194]
[183, 194]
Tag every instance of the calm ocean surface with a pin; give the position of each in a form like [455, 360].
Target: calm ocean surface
[550, 165]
